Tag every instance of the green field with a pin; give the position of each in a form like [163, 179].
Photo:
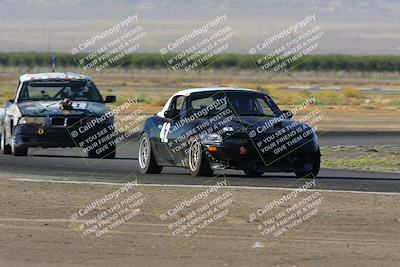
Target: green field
[223, 61]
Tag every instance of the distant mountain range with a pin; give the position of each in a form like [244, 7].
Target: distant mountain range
[350, 26]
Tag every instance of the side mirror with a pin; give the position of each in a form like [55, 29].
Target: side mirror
[287, 114]
[110, 99]
[171, 114]
[9, 103]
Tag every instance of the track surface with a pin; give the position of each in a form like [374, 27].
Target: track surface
[362, 138]
[69, 164]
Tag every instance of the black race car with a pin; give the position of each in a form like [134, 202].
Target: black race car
[56, 110]
[206, 129]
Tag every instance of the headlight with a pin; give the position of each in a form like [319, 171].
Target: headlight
[210, 139]
[33, 120]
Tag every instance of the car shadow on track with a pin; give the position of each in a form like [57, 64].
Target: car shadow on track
[271, 177]
[79, 157]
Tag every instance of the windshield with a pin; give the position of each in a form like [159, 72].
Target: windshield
[242, 103]
[59, 90]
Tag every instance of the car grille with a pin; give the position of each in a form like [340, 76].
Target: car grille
[65, 121]
[57, 121]
[72, 121]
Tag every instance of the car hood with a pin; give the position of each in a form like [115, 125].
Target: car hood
[266, 124]
[261, 125]
[51, 108]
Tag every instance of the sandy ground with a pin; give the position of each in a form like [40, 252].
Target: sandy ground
[348, 229]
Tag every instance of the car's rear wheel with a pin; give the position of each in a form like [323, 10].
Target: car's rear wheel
[252, 173]
[198, 163]
[147, 161]
[5, 149]
[313, 173]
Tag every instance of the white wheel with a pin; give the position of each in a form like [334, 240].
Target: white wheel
[147, 162]
[198, 162]
[194, 155]
[144, 152]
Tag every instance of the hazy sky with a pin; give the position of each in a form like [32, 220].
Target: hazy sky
[350, 26]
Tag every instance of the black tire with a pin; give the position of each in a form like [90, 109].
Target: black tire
[18, 151]
[5, 149]
[252, 173]
[198, 162]
[108, 154]
[111, 153]
[313, 173]
[147, 161]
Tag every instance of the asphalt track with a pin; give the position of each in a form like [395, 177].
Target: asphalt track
[359, 138]
[68, 164]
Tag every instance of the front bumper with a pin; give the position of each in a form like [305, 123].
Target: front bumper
[245, 155]
[50, 136]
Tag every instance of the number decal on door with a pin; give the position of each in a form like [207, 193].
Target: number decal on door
[164, 132]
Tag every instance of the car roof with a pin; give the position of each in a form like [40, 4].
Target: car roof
[207, 89]
[187, 92]
[53, 76]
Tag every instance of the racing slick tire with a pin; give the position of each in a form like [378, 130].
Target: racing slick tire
[110, 153]
[313, 172]
[18, 151]
[5, 149]
[198, 162]
[252, 173]
[147, 161]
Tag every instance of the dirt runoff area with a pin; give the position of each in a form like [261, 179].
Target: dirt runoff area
[100, 224]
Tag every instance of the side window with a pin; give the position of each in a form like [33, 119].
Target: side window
[177, 103]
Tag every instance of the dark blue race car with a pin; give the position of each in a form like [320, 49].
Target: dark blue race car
[56, 110]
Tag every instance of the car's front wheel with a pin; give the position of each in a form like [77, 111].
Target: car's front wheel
[5, 149]
[198, 163]
[147, 162]
[314, 171]
[18, 150]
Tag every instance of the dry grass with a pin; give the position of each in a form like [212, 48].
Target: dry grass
[362, 158]
[346, 109]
